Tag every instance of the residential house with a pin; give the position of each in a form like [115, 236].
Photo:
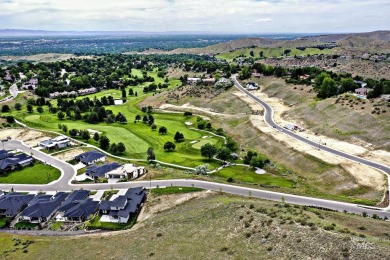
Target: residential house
[210, 81]
[15, 161]
[42, 208]
[5, 154]
[12, 203]
[81, 210]
[130, 171]
[31, 84]
[123, 207]
[87, 91]
[193, 80]
[77, 207]
[362, 91]
[56, 143]
[252, 86]
[90, 157]
[94, 172]
[385, 97]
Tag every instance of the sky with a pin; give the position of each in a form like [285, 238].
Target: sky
[224, 16]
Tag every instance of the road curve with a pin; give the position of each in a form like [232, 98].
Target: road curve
[68, 172]
[268, 118]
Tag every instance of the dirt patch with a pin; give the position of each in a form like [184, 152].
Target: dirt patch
[190, 107]
[69, 155]
[365, 175]
[160, 203]
[30, 137]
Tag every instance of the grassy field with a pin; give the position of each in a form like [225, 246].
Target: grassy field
[36, 174]
[221, 227]
[270, 52]
[243, 174]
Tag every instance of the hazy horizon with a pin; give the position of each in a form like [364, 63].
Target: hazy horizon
[219, 16]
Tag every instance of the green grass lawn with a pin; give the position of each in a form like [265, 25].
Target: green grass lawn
[25, 225]
[96, 224]
[173, 190]
[271, 52]
[57, 225]
[243, 174]
[36, 174]
[4, 222]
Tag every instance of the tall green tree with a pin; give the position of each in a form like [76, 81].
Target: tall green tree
[208, 150]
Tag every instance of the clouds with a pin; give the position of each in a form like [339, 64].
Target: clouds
[264, 20]
[245, 16]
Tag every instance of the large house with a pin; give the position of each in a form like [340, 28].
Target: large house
[252, 86]
[362, 91]
[31, 84]
[12, 162]
[56, 143]
[42, 207]
[193, 80]
[94, 172]
[87, 91]
[11, 204]
[90, 157]
[130, 171]
[122, 207]
[77, 207]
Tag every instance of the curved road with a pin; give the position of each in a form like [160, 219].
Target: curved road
[68, 173]
[268, 118]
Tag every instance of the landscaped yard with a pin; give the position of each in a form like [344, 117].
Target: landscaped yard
[4, 222]
[37, 174]
[96, 224]
[245, 175]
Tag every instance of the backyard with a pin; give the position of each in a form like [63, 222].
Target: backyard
[37, 174]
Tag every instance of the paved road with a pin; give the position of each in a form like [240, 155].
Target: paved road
[268, 118]
[68, 173]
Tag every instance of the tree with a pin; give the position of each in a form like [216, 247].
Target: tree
[151, 120]
[137, 118]
[123, 94]
[187, 113]
[96, 136]
[259, 161]
[169, 146]
[162, 130]
[18, 106]
[61, 115]
[29, 108]
[5, 108]
[145, 119]
[40, 110]
[347, 84]
[328, 88]
[248, 157]
[131, 92]
[208, 150]
[64, 128]
[202, 169]
[154, 127]
[104, 142]
[10, 119]
[251, 53]
[121, 148]
[179, 137]
[85, 135]
[114, 148]
[223, 154]
[150, 153]
[73, 132]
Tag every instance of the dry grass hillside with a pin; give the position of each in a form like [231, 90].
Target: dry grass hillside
[220, 227]
[347, 119]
